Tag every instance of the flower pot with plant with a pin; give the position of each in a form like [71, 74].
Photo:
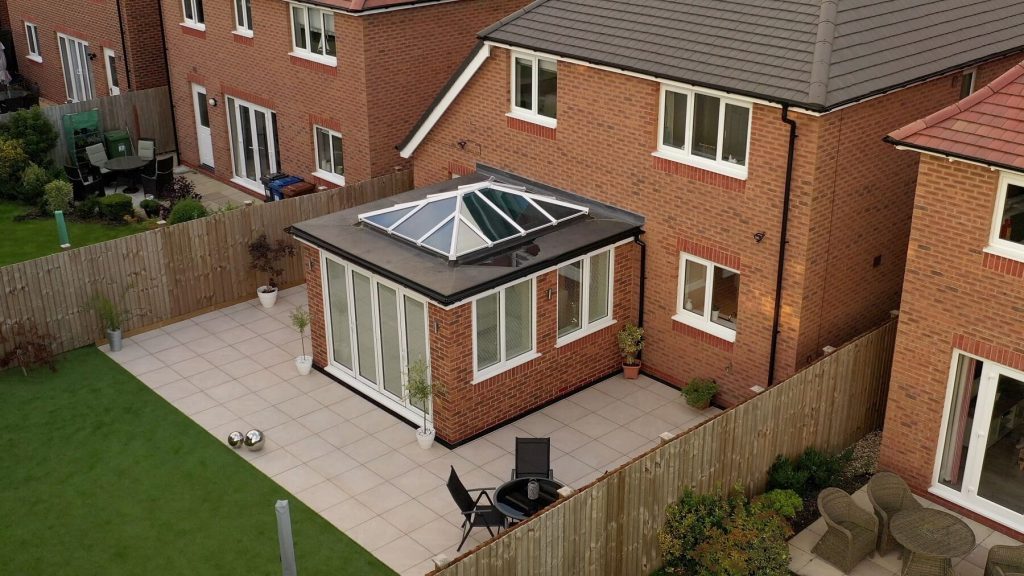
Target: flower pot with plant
[714, 312]
[300, 320]
[265, 257]
[699, 392]
[631, 342]
[111, 317]
[418, 391]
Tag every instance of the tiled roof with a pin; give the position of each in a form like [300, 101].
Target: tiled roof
[814, 53]
[987, 126]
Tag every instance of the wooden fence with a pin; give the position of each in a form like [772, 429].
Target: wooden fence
[611, 526]
[168, 273]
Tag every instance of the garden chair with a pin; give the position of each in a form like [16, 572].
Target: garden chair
[83, 183]
[533, 458]
[146, 149]
[1005, 561]
[474, 514]
[97, 155]
[889, 494]
[851, 531]
[157, 178]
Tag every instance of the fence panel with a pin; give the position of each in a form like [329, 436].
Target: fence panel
[610, 527]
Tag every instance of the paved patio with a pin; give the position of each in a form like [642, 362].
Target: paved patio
[807, 564]
[359, 466]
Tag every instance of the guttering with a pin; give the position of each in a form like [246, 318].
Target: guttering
[371, 11]
[784, 230]
[167, 78]
[124, 45]
[900, 145]
[643, 285]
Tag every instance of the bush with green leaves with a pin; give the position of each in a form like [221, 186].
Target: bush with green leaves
[186, 210]
[808, 473]
[151, 207]
[116, 208]
[33, 182]
[784, 502]
[699, 392]
[13, 162]
[58, 195]
[37, 135]
[87, 209]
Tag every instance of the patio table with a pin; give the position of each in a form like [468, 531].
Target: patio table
[511, 499]
[129, 165]
[931, 538]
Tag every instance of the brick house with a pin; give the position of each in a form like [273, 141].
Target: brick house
[955, 418]
[82, 49]
[320, 89]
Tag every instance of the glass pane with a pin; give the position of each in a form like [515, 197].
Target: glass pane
[262, 145]
[245, 128]
[597, 307]
[523, 90]
[558, 211]
[323, 149]
[65, 61]
[336, 157]
[189, 14]
[112, 69]
[388, 219]
[1001, 474]
[488, 352]
[236, 147]
[441, 239]
[365, 345]
[1012, 226]
[468, 240]
[415, 335]
[725, 297]
[337, 291]
[316, 30]
[204, 113]
[518, 319]
[299, 27]
[547, 88]
[966, 83]
[200, 18]
[705, 126]
[674, 127]
[517, 208]
[424, 220]
[273, 140]
[239, 14]
[958, 427]
[330, 42]
[734, 140]
[695, 277]
[248, 15]
[492, 224]
[390, 352]
[569, 294]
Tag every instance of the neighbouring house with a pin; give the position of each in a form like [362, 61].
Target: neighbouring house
[321, 89]
[955, 417]
[77, 50]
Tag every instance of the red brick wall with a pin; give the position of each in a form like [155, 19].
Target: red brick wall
[315, 299]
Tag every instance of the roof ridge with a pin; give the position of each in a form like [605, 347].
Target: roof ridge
[817, 90]
[493, 27]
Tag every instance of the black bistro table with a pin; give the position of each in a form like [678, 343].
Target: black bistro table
[511, 497]
[129, 165]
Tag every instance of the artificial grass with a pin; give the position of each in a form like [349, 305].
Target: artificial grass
[99, 475]
[34, 238]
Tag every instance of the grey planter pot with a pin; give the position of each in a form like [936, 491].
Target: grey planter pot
[114, 337]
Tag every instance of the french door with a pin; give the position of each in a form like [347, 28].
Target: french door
[74, 59]
[253, 142]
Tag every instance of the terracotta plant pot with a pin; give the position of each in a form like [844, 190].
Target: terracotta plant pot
[631, 372]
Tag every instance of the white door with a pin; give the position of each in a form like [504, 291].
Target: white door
[110, 62]
[74, 59]
[204, 138]
[253, 142]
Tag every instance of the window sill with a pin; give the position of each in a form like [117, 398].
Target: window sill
[330, 177]
[34, 58]
[493, 371]
[194, 26]
[533, 118]
[1005, 252]
[590, 329]
[243, 33]
[325, 60]
[716, 330]
[249, 185]
[723, 168]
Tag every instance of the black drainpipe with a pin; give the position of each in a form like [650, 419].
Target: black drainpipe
[124, 46]
[643, 283]
[782, 241]
[167, 77]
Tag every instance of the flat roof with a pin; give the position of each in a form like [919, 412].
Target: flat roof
[432, 275]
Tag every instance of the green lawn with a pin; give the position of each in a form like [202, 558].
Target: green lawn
[35, 238]
[99, 475]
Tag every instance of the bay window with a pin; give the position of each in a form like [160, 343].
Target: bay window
[313, 34]
[708, 296]
[535, 88]
[503, 331]
[704, 130]
[584, 296]
[1007, 236]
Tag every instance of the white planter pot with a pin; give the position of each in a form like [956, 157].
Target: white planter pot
[425, 438]
[114, 338]
[268, 296]
[714, 315]
[304, 364]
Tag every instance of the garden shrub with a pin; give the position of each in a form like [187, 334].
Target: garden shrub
[151, 207]
[786, 475]
[33, 182]
[699, 392]
[116, 207]
[27, 347]
[13, 162]
[57, 195]
[810, 472]
[37, 135]
[786, 503]
[88, 208]
[186, 210]
[181, 188]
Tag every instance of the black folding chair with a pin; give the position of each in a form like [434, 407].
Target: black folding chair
[533, 458]
[158, 175]
[474, 514]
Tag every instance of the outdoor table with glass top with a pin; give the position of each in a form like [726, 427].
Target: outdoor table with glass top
[931, 538]
[129, 165]
[512, 497]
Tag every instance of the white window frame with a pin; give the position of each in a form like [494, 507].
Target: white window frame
[245, 28]
[32, 39]
[112, 88]
[997, 245]
[504, 364]
[193, 22]
[689, 317]
[307, 52]
[338, 179]
[272, 141]
[529, 114]
[684, 156]
[586, 327]
[75, 50]
[973, 75]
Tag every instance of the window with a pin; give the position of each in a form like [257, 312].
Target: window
[967, 83]
[254, 147]
[32, 38]
[74, 59]
[708, 297]
[194, 13]
[535, 88]
[503, 332]
[704, 130]
[330, 164]
[1008, 224]
[243, 17]
[110, 63]
[313, 34]
[584, 296]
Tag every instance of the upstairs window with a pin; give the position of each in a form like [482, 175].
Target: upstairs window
[704, 130]
[1008, 224]
[313, 34]
[535, 88]
[967, 83]
[330, 163]
[243, 17]
[708, 297]
[194, 13]
[32, 38]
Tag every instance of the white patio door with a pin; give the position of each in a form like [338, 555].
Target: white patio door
[74, 59]
[204, 138]
[253, 141]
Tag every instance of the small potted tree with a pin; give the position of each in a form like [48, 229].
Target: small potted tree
[631, 342]
[300, 320]
[111, 317]
[419, 390]
[699, 392]
[265, 258]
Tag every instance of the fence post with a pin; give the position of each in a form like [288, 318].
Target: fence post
[284, 538]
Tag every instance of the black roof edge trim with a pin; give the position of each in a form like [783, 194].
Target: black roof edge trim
[929, 150]
[406, 4]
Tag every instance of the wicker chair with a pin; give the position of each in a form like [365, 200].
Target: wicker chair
[889, 494]
[851, 531]
[1005, 561]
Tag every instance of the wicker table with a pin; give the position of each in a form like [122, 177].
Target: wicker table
[931, 537]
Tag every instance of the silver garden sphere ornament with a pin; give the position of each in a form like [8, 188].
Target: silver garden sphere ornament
[235, 439]
[254, 440]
